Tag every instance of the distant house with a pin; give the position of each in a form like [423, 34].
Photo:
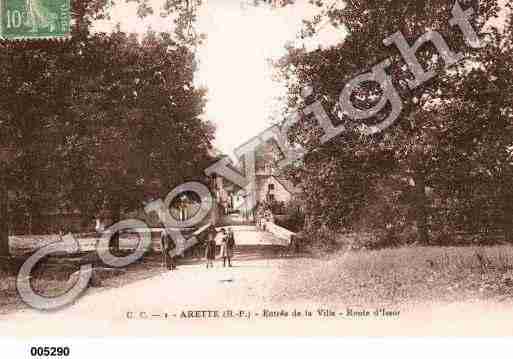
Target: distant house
[269, 187]
[273, 188]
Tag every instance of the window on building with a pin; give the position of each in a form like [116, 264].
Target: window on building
[271, 198]
[271, 186]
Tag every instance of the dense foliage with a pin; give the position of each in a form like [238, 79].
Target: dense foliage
[99, 122]
[445, 166]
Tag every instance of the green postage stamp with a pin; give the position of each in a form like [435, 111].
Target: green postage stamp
[34, 19]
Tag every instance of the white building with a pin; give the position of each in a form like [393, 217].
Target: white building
[269, 187]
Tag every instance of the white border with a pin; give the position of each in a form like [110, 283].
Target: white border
[263, 348]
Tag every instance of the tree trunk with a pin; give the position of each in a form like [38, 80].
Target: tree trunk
[508, 218]
[116, 217]
[35, 218]
[508, 230]
[4, 217]
[421, 208]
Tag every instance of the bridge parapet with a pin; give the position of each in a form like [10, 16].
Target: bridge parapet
[280, 232]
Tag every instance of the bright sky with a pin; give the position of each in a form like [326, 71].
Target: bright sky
[233, 61]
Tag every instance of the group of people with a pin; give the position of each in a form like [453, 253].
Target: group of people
[227, 245]
[263, 215]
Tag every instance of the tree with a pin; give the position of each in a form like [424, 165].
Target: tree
[479, 138]
[343, 174]
[142, 125]
[90, 118]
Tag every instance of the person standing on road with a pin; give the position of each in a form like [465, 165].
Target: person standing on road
[167, 245]
[230, 244]
[210, 249]
[224, 248]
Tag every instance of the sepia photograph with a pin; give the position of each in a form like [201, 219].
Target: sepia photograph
[255, 168]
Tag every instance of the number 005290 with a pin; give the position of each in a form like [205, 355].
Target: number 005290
[49, 351]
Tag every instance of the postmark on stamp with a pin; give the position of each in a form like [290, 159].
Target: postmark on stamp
[34, 19]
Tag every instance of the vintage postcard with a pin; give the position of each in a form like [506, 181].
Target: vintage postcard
[255, 168]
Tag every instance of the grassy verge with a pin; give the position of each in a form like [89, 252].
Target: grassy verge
[401, 276]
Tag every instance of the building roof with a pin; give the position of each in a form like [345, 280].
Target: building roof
[285, 182]
[288, 185]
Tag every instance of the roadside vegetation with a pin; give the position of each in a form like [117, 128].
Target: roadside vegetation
[401, 276]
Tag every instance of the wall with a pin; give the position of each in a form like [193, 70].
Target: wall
[280, 192]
